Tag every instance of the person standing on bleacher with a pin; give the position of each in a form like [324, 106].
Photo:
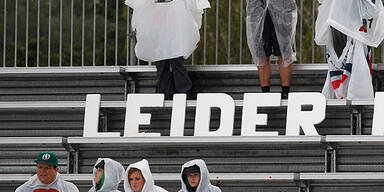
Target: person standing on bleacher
[349, 29]
[271, 29]
[167, 32]
[195, 177]
[107, 175]
[47, 178]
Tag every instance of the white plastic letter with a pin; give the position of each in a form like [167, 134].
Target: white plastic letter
[297, 118]
[250, 117]
[378, 120]
[205, 102]
[91, 118]
[178, 115]
[133, 117]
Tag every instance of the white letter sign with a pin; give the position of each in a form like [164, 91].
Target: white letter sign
[297, 118]
[133, 117]
[91, 118]
[251, 119]
[205, 102]
[378, 115]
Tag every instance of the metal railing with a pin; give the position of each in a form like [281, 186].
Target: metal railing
[51, 33]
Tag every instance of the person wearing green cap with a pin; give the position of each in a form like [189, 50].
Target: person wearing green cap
[107, 175]
[47, 177]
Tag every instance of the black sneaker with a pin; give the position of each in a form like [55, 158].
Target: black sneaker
[284, 95]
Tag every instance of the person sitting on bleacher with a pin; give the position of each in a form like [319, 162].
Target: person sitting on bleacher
[167, 32]
[195, 177]
[107, 175]
[138, 178]
[47, 178]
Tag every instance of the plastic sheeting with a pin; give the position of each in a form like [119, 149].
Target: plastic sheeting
[284, 16]
[166, 30]
[113, 173]
[347, 17]
[349, 74]
[149, 185]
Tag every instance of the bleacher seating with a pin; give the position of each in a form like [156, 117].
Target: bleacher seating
[43, 110]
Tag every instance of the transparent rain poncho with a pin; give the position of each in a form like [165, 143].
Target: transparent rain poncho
[149, 185]
[204, 184]
[284, 16]
[166, 30]
[113, 173]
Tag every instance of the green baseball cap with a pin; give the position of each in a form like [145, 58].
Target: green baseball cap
[48, 157]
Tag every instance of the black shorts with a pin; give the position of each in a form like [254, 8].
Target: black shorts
[271, 45]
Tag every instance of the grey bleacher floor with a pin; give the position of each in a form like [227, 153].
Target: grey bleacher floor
[45, 103]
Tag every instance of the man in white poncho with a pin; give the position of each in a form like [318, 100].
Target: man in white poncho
[167, 32]
[195, 177]
[347, 29]
[271, 29]
[47, 178]
[107, 175]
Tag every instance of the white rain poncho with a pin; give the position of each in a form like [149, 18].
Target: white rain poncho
[166, 30]
[346, 16]
[113, 174]
[149, 185]
[284, 16]
[59, 185]
[204, 185]
[349, 75]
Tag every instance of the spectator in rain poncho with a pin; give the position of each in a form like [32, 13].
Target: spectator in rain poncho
[138, 178]
[347, 29]
[167, 32]
[195, 177]
[107, 175]
[271, 28]
[47, 177]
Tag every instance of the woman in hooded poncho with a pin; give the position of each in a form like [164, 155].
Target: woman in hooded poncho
[107, 175]
[138, 178]
[195, 177]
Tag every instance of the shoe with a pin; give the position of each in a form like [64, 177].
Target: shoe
[284, 95]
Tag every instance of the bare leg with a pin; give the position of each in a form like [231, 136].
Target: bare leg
[265, 74]
[285, 73]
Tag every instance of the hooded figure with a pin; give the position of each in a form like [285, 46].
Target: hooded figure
[283, 14]
[204, 185]
[149, 185]
[112, 174]
[347, 28]
[166, 29]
